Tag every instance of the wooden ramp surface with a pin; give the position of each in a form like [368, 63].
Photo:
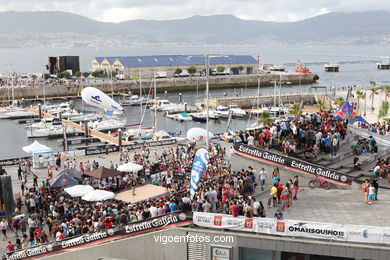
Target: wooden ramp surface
[141, 193]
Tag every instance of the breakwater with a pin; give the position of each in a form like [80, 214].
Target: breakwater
[73, 88]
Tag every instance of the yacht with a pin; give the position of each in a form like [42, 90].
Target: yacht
[237, 111]
[49, 131]
[183, 117]
[134, 100]
[107, 124]
[161, 104]
[223, 111]
[174, 108]
[44, 123]
[17, 114]
[199, 117]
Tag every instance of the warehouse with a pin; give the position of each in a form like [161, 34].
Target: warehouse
[168, 65]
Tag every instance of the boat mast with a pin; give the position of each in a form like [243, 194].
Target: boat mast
[207, 102]
[155, 107]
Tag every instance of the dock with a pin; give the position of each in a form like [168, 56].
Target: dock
[266, 100]
[80, 128]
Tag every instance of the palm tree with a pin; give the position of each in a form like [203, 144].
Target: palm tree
[339, 102]
[360, 95]
[321, 104]
[296, 109]
[265, 118]
[373, 93]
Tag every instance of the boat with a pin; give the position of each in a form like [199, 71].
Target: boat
[49, 131]
[331, 68]
[107, 124]
[137, 133]
[134, 100]
[17, 114]
[174, 108]
[160, 104]
[276, 68]
[44, 123]
[237, 111]
[199, 117]
[223, 111]
[183, 117]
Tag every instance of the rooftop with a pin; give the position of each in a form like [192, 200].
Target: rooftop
[177, 60]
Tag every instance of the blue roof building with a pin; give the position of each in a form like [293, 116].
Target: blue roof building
[146, 65]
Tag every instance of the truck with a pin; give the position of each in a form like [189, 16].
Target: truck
[160, 74]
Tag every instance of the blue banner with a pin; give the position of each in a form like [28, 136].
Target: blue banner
[199, 165]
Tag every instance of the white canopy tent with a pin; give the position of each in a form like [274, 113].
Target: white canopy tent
[98, 195]
[36, 147]
[78, 190]
[130, 167]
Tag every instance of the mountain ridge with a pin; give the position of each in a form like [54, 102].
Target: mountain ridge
[56, 28]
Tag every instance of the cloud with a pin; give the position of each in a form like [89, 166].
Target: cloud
[267, 10]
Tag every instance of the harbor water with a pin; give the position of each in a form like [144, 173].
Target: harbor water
[357, 67]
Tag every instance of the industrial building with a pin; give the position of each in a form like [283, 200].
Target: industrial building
[147, 66]
[59, 64]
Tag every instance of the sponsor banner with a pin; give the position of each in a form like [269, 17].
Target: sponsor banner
[12, 161]
[224, 222]
[74, 153]
[386, 236]
[365, 234]
[150, 144]
[308, 229]
[270, 226]
[128, 230]
[199, 165]
[100, 149]
[292, 163]
[295, 228]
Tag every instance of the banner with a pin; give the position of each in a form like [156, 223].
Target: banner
[131, 229]
[74, 153]
[295, 228]
[318, 230]
[13, 161]
[199, 165]
[292, 163]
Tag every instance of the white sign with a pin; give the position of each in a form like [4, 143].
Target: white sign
[220, 253]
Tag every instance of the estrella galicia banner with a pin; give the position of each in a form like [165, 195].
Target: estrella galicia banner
[292, 163]
[199, 165]
[130, 229]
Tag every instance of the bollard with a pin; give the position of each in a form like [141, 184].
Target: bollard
[180, 98]
[166, 94]
[40, 111]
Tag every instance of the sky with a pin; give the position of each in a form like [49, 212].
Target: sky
[265, 10]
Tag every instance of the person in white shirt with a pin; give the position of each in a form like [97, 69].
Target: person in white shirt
[262, 177]
[251, 140]
[153, 210]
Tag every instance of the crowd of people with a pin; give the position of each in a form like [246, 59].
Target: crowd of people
[314, 133]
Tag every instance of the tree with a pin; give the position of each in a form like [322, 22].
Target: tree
[66, 74]
[77, 74]
[265, 118]
[339, 102]
[296, 109]
[178, 71]
[384, 109]
[46, 76]
[241, 68]
[386, 89]
[34, 77]
[321, 104]
[373, 93]
[95, 74]
[85, 74]
[220, 69]
[191, 70]
[360, 95]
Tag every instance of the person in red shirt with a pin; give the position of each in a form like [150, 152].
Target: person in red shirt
[9, 247]
[235, 209]
[267, 138]
[37, 234]
[261, 140]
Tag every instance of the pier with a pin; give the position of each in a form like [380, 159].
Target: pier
[73, 89]
[251, 101]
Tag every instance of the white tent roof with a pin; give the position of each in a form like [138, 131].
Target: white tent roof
[130, 167]
[36, 147]
[98, 195]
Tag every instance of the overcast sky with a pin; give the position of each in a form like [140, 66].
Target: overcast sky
[267, 10]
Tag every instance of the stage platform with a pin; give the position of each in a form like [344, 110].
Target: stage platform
[142, 193]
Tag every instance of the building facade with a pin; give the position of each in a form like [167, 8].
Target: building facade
[167, 65]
